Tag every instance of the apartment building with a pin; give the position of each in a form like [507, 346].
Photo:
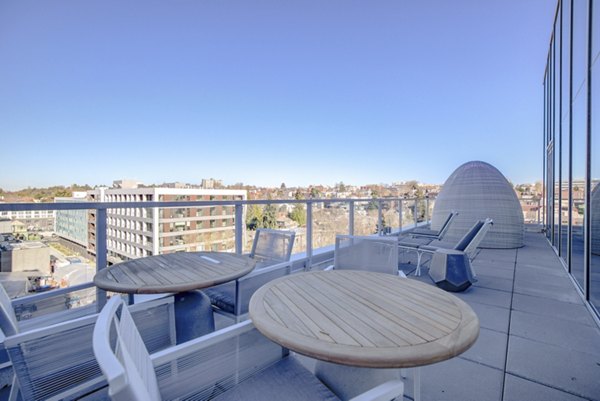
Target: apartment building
[72, 225]
[138, 232]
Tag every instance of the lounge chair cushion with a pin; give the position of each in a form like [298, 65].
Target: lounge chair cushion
[466, 240]
[222, 296]
[285, 380]
[425, 231]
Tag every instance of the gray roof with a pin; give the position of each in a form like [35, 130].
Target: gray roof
[477, 190]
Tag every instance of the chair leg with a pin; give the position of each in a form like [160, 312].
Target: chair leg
[418, 269]
[417, 384]
[14, 390]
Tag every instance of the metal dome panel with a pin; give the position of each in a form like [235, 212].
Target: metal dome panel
[477, 190]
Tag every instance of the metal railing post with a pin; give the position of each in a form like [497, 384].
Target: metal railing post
[309, 220]
[379, 217]
[101, 251]
[239, 212]
[400, 214]
[351, 219]
[427, 210]
[415, 211]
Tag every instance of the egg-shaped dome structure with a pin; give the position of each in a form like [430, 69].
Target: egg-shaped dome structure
[595, 216]
[477, 190]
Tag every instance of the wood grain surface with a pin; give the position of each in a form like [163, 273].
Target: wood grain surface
[174, 272]
[364, 319]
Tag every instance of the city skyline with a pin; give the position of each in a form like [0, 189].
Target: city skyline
[270, 92]
[245, 185]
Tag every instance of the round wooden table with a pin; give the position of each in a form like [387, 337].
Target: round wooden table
[364, 319]
[173, 272]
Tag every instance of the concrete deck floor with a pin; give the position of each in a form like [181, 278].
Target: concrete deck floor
[537, 342]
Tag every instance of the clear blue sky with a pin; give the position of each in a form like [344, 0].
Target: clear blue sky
[264, 92]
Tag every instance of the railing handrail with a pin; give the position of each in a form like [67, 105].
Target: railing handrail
[101, 215]
[16, 207]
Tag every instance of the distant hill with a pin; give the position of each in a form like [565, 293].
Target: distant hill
[41, 194]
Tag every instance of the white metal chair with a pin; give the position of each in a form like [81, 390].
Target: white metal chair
[272, 250]
[272, 246]
[57, 361]
[467, 244]
[230, 364]
[376, 254]
[39, 310]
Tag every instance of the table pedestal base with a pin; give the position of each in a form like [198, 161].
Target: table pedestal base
[193, 315]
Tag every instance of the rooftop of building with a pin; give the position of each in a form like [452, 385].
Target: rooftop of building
[538, 340]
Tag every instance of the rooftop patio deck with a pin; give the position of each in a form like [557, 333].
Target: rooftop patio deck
[538, 341]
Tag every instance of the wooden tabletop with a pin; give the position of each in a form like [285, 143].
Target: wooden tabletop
[174, 272]
[364, 319]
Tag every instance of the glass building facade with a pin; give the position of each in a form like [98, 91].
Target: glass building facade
[572, 143]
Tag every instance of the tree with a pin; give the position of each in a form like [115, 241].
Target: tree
[282, 185]
[383, 225]
[298, 214]
[372, 205]
[63, 193]
[314, 193]
[269, 217]
[340, 187]
[254, 217]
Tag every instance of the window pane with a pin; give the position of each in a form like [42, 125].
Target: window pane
[565, 68]
[595, 206]
[579, 135]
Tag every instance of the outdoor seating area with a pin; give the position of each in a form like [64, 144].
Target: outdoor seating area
[526, 306]
[300, 201]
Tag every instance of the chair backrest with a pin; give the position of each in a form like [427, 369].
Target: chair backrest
[471, 240]
[272, 246]
[446, 225]
[8, 320]
[376, 254]
[125, 361]
[479, 236]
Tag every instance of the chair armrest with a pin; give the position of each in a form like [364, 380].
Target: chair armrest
[384, 392]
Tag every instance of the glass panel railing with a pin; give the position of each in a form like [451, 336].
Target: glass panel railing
[366, 217]
[329, 220]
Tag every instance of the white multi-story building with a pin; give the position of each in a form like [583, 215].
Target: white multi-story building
[34, 220]
[138, 232]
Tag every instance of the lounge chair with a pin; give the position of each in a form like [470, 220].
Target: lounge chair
[235, 363]
[434, 234]
[467, 244]
[272, 250]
